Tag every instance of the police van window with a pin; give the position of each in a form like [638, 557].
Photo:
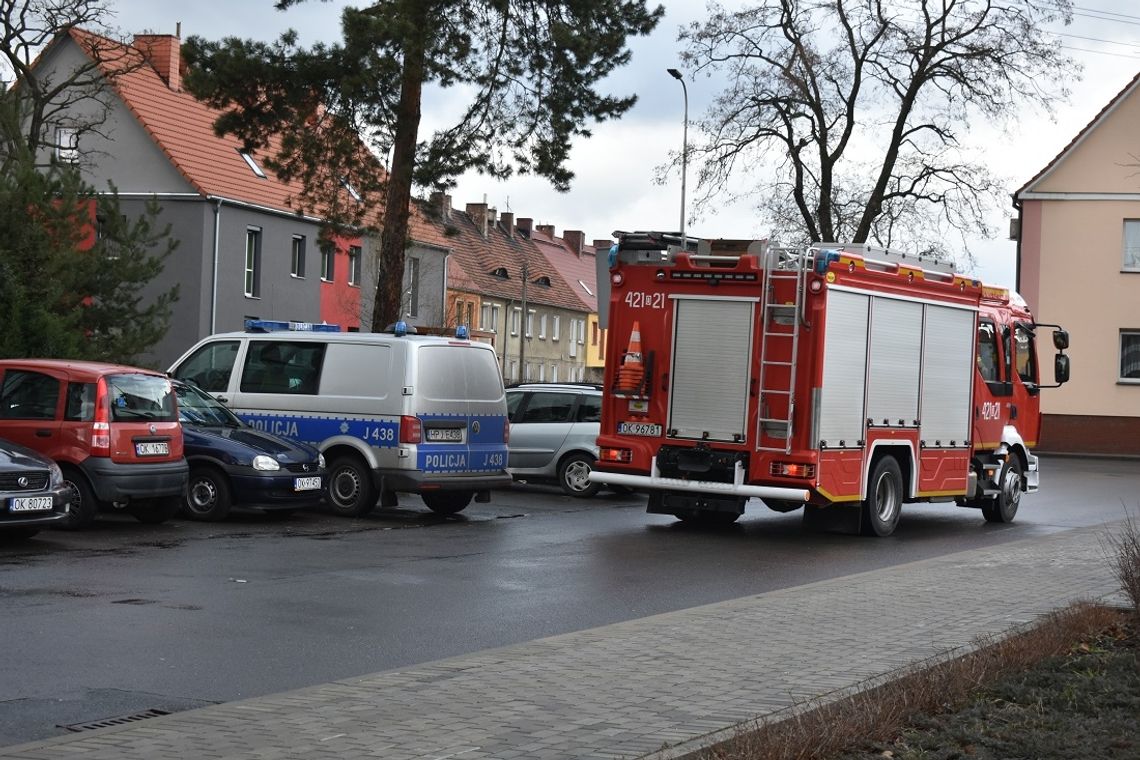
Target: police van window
[281, 367]
[988, 363]
[453, 373]
[210, 366]
[357, 370]
[1024, 355]
[28, 396]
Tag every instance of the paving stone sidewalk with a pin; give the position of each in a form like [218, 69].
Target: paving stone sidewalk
[631, 689]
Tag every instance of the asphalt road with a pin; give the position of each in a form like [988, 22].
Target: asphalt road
[127, 617]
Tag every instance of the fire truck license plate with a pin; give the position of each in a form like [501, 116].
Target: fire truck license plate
[639, 428]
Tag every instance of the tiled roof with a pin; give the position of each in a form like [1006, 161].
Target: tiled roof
[474, 257]
[577, 270]
[1080, 136]
[183, 128]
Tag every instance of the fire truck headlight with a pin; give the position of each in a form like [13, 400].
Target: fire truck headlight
[660, 274]
[816, 286]
[617, 278]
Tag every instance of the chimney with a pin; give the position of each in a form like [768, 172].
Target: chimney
[492, 216]
[164, 53]
[603, 244]
[575, 239]
[478, 214]
[525, 224]
[442, 202]
[508, 219]
[546, 229]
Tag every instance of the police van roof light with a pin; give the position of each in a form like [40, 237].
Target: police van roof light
[401, 328]
[461, 332]
[274, 325]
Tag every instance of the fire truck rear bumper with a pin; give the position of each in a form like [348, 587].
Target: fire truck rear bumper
[654, 482]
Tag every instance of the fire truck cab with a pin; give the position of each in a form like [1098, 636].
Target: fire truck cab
[841, 378]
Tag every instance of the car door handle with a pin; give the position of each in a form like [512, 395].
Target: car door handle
[43, 434]
[223, 399]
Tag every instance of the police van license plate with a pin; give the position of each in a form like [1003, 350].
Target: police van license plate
[306, 484]
[30, 504]
[152, 449]
[451, 435]
[639, 428]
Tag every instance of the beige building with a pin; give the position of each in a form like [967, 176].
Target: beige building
[1079, 266]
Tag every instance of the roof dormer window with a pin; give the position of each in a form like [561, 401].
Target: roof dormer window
[251, 162]
[501, 273]
[544, 281]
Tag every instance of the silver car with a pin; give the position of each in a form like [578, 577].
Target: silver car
[554, 434]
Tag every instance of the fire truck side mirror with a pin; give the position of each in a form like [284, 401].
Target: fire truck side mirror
[1061, 368]
[1060, 339]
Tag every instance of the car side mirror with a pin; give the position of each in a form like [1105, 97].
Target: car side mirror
[1061, 339]
[1061, 368]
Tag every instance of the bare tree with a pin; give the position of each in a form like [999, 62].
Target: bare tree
[848, 116]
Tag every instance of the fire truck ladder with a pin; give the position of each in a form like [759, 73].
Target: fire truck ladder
[780, 336]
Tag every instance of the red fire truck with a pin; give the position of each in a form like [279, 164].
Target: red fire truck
[844, 379]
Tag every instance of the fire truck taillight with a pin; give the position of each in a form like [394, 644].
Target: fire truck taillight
[793, 470]
[620, 456]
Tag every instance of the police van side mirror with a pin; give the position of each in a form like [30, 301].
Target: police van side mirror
[1061, 368]
[1061, 341]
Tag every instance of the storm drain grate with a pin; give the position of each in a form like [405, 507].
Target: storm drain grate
[121, 720]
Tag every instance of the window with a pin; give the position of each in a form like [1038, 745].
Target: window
[594, 334]
[351, 190]
[530, 323]
[542, 373]
[134, 397]
[582, 332]
[251, 162]
[548, 407]
[589, 409]
[28, 396]
[542, 327]
[1024, 355]
[210, 366]
[516, 319]
[354, 265]
[470, 313]
[328, 262]
[80, 402]
[413, 286]
[297, 265]
[988, 352]
[253, 262]
[1131, 258]
[67, 144]
[554, 373]
[495, 308]
[1130, 356]
[485, 317]
[555, 327]
[280, 367]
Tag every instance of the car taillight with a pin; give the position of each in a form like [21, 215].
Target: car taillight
[607, 454]
[506, 432]
[411, 431]
[101, 426]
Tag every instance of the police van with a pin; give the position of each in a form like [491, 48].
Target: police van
[391, 412]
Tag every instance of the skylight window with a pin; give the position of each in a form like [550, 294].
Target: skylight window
[585, 287]
[251, 162]
[351, 190]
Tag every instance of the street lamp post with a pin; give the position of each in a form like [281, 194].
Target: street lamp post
[684, 146]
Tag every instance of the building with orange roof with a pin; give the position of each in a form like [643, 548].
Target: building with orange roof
[1078, 255]
[247, 249]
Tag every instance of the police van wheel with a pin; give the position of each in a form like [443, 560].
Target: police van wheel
[351, 493]
[447, 502]
[883, 504]
[1003, 507]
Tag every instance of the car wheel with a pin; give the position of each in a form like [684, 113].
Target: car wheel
[1003, 507]
[883, 505]
[574, 476]
[207, 495]
[351, 493]
[18, 534]
[155, 511]
[447, 502]
[84, 506]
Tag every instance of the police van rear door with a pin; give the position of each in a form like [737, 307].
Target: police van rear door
[460, 402]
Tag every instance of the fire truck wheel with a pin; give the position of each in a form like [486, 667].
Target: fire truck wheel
[1003, 507]
[782, 505]
[574, 476]
[883, 504]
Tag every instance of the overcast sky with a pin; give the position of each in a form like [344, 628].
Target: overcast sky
[614, 187]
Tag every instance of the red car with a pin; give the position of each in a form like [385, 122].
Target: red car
[112, 429]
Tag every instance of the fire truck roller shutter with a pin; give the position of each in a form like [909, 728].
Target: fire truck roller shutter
[947, 375]
[841, 416]
[896, 344]
[711, 354]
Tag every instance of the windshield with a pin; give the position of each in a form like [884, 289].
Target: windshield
[140, 397]
[200, 408]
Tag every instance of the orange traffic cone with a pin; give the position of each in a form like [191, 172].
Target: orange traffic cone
[632, 369]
